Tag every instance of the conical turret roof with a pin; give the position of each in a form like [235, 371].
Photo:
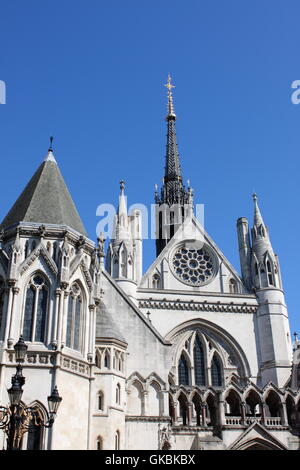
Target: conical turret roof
[105, 325]
[46, 199]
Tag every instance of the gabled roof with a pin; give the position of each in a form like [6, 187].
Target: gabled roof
[183, 233]
[45, 199]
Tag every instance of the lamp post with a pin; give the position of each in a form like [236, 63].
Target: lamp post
[17, 418]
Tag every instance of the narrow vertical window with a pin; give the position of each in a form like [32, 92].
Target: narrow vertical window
[35, 314]
[74, 319]
[216, 372]
[118, 394]
[199, 362]
[107, 360]
[99, 443]
[160, 225]
[41, 315]
[100, 401]
[270, 273]
[183, 371]
[171, 224]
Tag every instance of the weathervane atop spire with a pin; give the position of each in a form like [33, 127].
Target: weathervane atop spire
[169, 86]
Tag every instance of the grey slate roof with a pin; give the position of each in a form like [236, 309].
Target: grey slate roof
[105, 325]
[45, 199]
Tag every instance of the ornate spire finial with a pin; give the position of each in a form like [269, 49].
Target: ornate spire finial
[169, 86]
[296, 336]
[51, 141]
[254, 195]
[50, 156]
[122, 185]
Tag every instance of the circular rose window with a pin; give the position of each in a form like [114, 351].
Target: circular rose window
[194, 266]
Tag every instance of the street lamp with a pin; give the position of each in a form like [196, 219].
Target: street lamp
[17, 418]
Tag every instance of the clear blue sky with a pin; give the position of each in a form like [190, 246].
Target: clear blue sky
[91, 73]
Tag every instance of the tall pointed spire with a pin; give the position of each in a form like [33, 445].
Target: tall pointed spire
[265, 268]
[173, 192]
[258, 220]
[260, 235]
[121, 229]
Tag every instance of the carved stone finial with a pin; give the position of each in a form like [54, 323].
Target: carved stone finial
[101, 241]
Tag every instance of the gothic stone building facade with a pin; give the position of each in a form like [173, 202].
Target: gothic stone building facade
[189, 355]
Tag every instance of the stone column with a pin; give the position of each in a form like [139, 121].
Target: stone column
[165, 403]
[175, 403]
[9, 293]
[64, 308]
[263, 412]
[90, 352]
[283, 415]
[222, 419]
[204, 414]
[54, 341]
[59, 293]
[243, 412]
[189, 414]
[145, 406]
[10, 341]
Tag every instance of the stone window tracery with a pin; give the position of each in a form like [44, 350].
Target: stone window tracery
[195, 267]
[199, 362]
[35, 312]
[216, 372]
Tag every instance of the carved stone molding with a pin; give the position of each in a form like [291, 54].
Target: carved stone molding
[75, 366]
[197, 306]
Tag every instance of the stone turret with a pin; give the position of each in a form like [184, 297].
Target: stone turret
[272, 317]
[125, 249]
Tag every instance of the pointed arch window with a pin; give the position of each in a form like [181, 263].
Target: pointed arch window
[183, 371]
[270, 273]
[74, 320]
[199, 362]
[99, 443]
[156, 281]
[216, 372]
[107, 359]
[100, 401]
[36, 305]
[118, 394]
